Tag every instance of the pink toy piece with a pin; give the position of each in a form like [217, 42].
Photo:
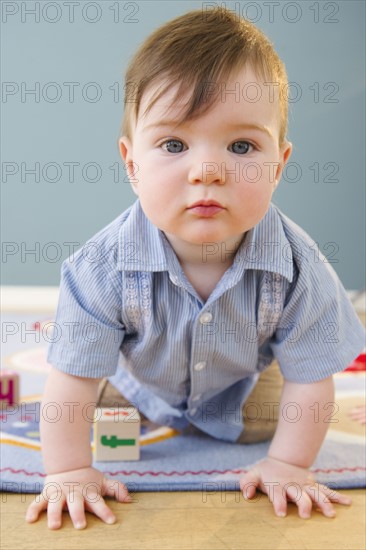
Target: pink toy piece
[9, 388]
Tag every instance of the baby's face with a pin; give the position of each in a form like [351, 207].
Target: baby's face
[229, 155]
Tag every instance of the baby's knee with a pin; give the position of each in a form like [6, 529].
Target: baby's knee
[257, 432]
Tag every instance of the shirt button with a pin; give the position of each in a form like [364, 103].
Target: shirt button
[206, 318]
[174, 279]
[200, 366]
[193, 411]
[197, 397]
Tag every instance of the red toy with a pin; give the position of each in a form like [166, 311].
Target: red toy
[359, 364]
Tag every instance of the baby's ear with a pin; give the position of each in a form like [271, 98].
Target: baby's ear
[126, 152]
[285, 153]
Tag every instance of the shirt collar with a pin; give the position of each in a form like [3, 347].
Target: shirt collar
[140, 243]
[266, 246]
[143, 247]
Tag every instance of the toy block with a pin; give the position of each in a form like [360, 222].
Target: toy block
[116, 434]
[9, 388]
[358, 365]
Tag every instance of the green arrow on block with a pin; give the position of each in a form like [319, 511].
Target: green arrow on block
[114, 442]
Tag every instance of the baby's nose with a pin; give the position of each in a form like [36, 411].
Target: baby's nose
[207, 172]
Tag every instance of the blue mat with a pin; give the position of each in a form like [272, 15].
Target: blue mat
[189, 461]
[172, 461]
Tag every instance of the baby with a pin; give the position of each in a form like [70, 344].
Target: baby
[186, 298]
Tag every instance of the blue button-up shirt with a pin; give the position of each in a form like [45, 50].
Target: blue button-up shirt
[127, 311]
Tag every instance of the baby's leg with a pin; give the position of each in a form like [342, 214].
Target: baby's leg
[260, 411]
[109, 396]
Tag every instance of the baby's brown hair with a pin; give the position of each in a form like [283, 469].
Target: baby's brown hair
[197, 52]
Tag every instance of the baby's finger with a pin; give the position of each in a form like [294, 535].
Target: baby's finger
[75, 503]
[338, 498]
[333, 495]
[319, 497]
[38, 505]
[54, 513]
[276, 495]
[300, 497]
[249, 483]
[358, 412]
[117, 490]
[360, 416]
[98, 507]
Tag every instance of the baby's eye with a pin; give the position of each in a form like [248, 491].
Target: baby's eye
[240, 147]
[173, 146]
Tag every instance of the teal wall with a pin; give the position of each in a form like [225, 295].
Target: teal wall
[322, 44]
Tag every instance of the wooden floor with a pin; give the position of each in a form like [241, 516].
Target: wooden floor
[190, 521]
[193, 520]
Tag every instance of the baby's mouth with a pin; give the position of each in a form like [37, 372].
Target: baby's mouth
[206, 208]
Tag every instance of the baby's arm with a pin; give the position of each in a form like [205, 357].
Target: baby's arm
[304, 415]
[71, 480]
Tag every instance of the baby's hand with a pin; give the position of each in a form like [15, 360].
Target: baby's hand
[77, 491]
[284, 482]
[359, 414]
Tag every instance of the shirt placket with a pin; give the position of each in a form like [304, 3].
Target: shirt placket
[201, 359]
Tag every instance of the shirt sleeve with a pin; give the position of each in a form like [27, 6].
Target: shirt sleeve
[319, 333]
[88, 330]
